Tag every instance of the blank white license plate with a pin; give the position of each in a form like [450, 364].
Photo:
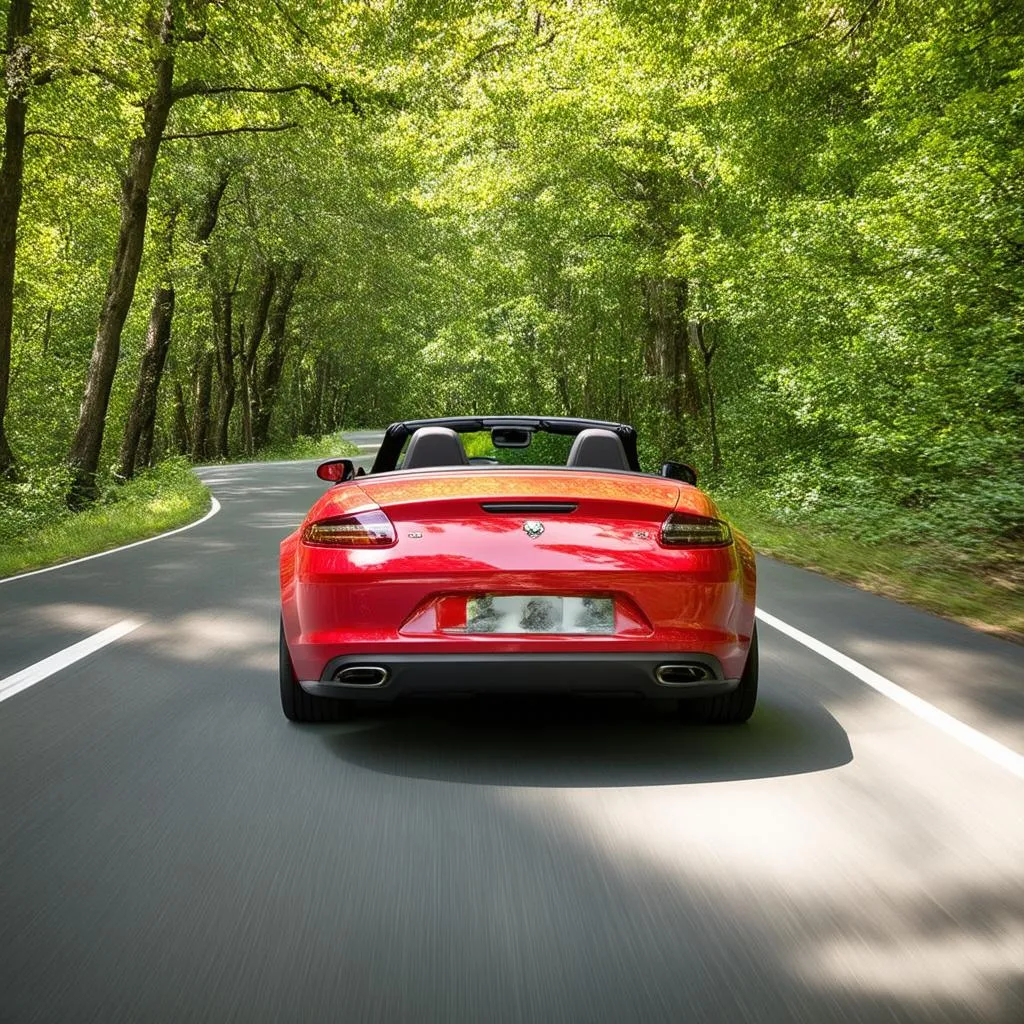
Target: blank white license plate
[540, 614]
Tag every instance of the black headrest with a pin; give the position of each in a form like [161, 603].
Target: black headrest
[598, 449]
[430, 447]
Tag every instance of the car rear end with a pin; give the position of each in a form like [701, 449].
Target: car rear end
[516, 580]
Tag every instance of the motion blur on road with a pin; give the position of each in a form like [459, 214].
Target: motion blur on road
[173, 850]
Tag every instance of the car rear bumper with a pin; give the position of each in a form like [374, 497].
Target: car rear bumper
[658, 675]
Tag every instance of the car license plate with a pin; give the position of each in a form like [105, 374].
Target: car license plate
[493, 613]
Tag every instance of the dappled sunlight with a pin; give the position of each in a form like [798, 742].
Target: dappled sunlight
[86, 617]
[877, 881]
[973, 685]
[250, 640]
[943, 662]
[197, 637]
[782, 239]
[840, 913]
[284, 522]
[953, 963]
[975, 678]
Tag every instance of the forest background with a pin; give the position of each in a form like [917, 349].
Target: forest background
[785, 239]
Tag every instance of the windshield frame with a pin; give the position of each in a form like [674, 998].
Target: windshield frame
[396, 434]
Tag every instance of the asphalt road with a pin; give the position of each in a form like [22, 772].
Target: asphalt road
[172, 849]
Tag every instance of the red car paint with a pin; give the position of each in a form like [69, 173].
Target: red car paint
[338, 601]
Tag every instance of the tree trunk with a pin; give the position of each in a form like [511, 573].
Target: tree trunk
[249, 350]
[660, 307]
[274, 365]
[143, 411]
[223, 331]
[295, 406]
[224, 340]
[339, 420]
[18, 73]
[562, 387]
[707, 350]
[47, 330]
[321, 394]
[145, 456]
[313, 414]
[138, 435]
[689, 401]
[84, 456]
[667, 357]
[201, 408]
[182, 436]
[243, 392]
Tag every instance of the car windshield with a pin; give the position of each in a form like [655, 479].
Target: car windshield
[544, 450]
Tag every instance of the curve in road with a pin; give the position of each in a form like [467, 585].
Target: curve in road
[173, 849]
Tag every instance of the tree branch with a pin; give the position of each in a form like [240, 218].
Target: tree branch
[300, 32]
[489, 50]
[326, 93]
[858, 24]
[810, 36]
[47, 134]
[215, 132]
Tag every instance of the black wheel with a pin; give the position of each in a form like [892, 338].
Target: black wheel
[299, 706]
[731, 708]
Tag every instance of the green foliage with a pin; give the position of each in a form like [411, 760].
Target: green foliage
[38, 530]
[931, 575]
[784, 241]
[31, 502]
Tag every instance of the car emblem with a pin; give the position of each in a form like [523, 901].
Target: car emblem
[533, 528]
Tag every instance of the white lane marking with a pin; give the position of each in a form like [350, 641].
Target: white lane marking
[977, 741]
[62, 659]
[214, 509]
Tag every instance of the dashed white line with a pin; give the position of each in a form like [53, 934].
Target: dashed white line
[62, 659]
[977, 741]
[214, 509]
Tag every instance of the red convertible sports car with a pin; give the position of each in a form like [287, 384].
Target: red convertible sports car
[546, 563]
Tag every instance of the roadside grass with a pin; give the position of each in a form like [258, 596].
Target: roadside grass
[987, 595]
[37, 530]
[331, 446]
[165, 497]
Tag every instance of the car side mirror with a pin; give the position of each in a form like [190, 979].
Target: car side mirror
[336, 471]
[679, 471]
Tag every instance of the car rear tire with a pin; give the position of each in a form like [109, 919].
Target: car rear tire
[733, 708]
[299, 706]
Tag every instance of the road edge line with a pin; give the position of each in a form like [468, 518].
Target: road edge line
[63, 659]
[970, 737]
[214, 509]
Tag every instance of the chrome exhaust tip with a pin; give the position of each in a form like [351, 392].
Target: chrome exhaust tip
[361, 675]
[682, 674]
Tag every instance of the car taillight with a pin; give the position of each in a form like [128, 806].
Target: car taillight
[359, 530]
[685, 531]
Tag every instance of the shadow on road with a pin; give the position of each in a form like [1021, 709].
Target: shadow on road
[566, 743]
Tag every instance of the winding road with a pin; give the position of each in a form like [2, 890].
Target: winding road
[172, 849]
